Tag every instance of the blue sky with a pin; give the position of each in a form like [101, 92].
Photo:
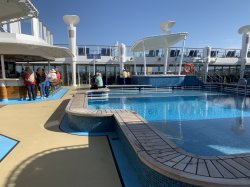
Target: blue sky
[208, 22]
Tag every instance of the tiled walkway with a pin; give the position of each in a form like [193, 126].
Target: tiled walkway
[165, 157]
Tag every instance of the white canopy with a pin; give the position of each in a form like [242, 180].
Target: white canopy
[157, 42]
[32, 52]
[14, 10]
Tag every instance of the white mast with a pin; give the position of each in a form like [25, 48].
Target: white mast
[72, 21]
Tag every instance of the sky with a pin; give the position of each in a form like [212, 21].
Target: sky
[103, 22]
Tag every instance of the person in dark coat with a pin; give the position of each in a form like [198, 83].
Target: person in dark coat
[40, 79]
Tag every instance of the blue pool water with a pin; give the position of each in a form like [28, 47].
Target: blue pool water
[203, 123]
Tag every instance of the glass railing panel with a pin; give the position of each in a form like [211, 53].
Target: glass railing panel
[26, 26]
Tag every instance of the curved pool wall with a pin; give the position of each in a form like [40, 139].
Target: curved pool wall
[166, 81]
[157, 160]
[91, 124]
[146, 175]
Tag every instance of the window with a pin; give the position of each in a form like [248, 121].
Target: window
[81, 51]
[230, 54]
[174, 53]
[105, 52]
[214, 53]
[26, 27]
[193, 53]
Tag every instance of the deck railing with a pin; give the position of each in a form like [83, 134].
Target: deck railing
[112, 50]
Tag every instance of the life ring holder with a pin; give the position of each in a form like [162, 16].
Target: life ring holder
[188, 68]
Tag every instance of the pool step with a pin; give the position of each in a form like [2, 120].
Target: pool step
[98, 96]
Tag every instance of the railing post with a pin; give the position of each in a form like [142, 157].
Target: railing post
[182, 54]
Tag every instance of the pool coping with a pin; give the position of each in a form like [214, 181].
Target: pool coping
[162, 155]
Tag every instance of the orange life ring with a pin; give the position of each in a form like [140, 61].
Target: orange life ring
[188, 68]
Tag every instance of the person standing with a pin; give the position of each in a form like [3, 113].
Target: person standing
[30, 83]
[124, 75]
[47, 86]
[98, 80]
[93, 83]
[52, 77]
[40, 80]
[58, 75]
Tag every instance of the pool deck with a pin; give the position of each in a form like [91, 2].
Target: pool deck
[162, 155]
[46, 156]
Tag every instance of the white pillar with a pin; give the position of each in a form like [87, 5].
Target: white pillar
[48, 36]
[51, 39]
[72, 21]
[166, 61]
[135, 68]
[44, 33]
[182, 53]
[35, 27]
[144, 60]
[116, 50]
[243, 53]
[123, 54]
[207, 58]
[72, 47]
[40, 29]
[15, 27]
[3, 67]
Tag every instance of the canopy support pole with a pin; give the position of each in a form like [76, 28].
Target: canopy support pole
[166, 61]
[78, 72]
[94, 65]
[135, 68]
[144, 60]
[48, 66]
[182, 54]
[207, 55]
[3, 67]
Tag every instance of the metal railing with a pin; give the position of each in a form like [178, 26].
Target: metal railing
[112, 50]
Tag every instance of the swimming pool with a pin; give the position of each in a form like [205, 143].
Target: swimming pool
[200, 122]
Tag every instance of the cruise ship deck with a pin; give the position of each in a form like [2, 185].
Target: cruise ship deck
[151, 113]
[46, 156]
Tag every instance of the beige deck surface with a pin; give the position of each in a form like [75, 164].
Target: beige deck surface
[49, 157]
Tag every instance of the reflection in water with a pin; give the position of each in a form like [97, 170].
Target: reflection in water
[202, 124]
[179, 116]
[239, 127]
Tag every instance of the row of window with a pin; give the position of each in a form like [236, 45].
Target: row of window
[173, 53]
[85, 51]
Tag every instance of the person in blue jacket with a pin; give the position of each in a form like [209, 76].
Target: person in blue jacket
[47, 85]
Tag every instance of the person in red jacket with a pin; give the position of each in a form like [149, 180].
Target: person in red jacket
[58, 75]
[30, 83]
